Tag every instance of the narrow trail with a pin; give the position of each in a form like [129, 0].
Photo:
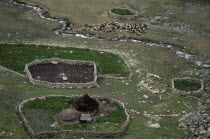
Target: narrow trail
[66, 25]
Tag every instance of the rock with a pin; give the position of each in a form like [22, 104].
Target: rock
[65, 78]
[198, 120]
[54, 62]
[62, 74]
[145, 96]
[208, 134]
[55, 125]
[202, 131]
[208, 131]
[153, 76]
[2, 133]
[69, 114]
[197, 73]
[10, 133]
[157, 125]
[183, 112]
[1, 87]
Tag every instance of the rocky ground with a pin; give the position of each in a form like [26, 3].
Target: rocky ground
[198, 121]
[154, 110]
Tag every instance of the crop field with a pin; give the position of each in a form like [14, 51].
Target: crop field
[154, 110]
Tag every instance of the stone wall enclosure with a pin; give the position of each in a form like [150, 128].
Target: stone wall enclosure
[190, 93]
[123, 17]
[66, 84]
[72, 133]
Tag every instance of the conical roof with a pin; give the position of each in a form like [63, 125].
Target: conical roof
[85, 104]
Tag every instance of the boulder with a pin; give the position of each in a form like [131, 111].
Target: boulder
[157, 125]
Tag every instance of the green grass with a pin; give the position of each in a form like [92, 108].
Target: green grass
[122, 11]
[40, 119]
[51, 104]
[15, 57]
[42, 113]
[187, 85]
[111, 117]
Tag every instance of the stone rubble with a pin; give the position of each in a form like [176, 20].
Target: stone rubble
[198, 122]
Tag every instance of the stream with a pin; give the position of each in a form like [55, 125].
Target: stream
[65, 25]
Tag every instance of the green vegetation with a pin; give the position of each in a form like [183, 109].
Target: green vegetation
[30, 28]
[122, 11]
[43, 113]
[15, 57]
[185, 85]
[40, 119]
[51, 104]
[111, 117]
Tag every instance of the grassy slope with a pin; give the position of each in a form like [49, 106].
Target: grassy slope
[15, 57]
[96, 11]
[148, 59]
[14, 23]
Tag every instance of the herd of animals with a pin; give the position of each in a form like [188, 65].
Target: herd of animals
[115, 27]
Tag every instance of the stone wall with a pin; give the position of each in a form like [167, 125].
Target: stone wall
[62, 85]
[123, 17]
[197, 93]
[83, 47]
[72, 133]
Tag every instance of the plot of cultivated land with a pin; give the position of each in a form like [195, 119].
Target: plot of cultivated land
[49, 108]
[143, 59]
[62, 73]
[15, 57]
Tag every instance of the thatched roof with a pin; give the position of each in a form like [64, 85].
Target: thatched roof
[86, 104]
[69, 114]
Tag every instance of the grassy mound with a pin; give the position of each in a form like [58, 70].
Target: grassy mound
[185, 85]
[122, 11]
[42, 115]
[15, 57]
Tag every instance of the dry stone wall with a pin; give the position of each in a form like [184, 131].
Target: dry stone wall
[123, 17]
[197, 93]
[82, 47]
[62, 85]
[71, 133]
